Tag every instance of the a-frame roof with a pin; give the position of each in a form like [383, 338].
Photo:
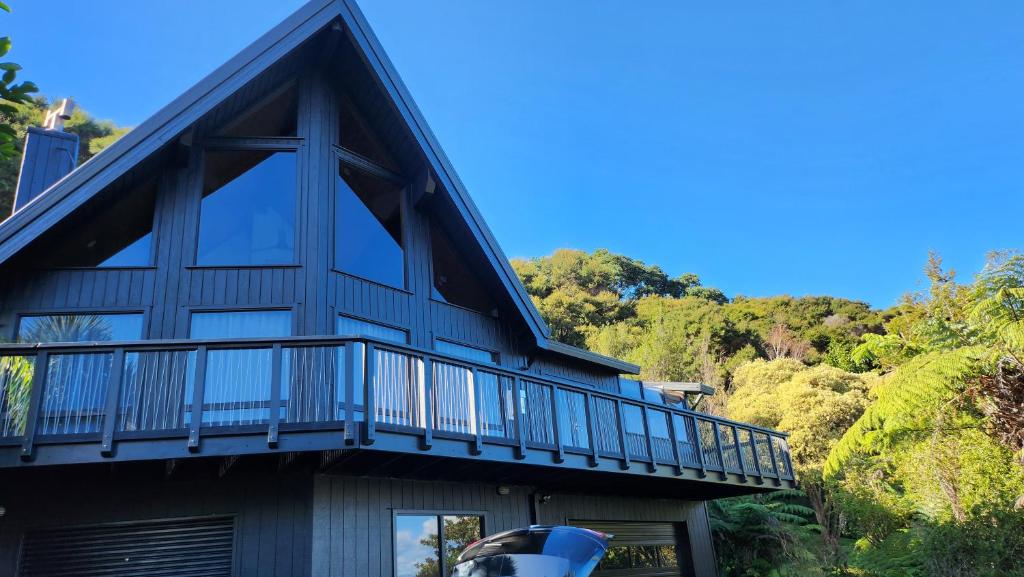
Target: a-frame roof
[167, 125]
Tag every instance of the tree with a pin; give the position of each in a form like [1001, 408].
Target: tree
[11, 94]
[754, 535]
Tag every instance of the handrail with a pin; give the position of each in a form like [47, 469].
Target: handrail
[6, 349]
[422, 362]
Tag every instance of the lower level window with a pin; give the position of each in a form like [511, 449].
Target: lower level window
[427, 545]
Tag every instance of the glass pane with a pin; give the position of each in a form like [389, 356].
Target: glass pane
[454, 281]
[368, 228]
[453, 399]
[667, 556]
[416, 546]
[237, 386]
[633, 422]
[116, 231]
[616, 558]
[464, 351]
[459, 532]
[74, 394]
[645, 556]
[572, 419]
[350, 326]
[248, 209]
[80, 328]
[275, 115]
[153, 390]
[15, 391]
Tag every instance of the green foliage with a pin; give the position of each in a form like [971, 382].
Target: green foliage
[12, 93]
[763, 535]
[93, 136]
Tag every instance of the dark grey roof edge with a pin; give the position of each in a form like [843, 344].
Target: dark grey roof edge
[592, 357]
[446, 171]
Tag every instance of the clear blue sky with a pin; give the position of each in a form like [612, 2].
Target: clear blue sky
[770, 147]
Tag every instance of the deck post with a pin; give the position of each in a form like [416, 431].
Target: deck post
[370, 409]
[517, 405]
[653, 465]
[591, 437]
[739, 452]
[350, 393]
[674, 439]
[622, 435]
[110, 405]
[698, 446]
[775, 462]
[757, 456]
[274, 418]
[34, 404]
[428, 404]
[718, 447]
[559, 447]
[197, 399]
[474, 389]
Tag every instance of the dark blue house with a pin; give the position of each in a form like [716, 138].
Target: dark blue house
[268, 333]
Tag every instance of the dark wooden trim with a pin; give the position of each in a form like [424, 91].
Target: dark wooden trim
[591, 437]
[478, 441]
[674, 438]
[243, 143]
[718, 445]
[369, 399]
[739, 452]
[757, 459]
[517, 405]
[557, 435]
[350, 391]
[698, 444]
[653, 465]
[775, 462]
[428, 403]
[360, 162]
[622, 433]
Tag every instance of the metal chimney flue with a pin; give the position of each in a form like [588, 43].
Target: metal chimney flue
[49, 155]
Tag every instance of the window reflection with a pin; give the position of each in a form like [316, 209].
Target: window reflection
[368, 228]
[76, 328]
[248, 208]
[423, 541]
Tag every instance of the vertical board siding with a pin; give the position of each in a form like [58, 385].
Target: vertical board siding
[605, 381]
[80, 288]
[352, 518]
[562, 508]
[273, 515]
[374, 302]
[243, 287]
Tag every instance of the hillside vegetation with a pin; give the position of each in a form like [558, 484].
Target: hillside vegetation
[907, 425]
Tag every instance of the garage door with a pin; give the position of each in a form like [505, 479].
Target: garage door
[199, 547]
[642, 549]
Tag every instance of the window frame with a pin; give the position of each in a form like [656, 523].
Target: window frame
[272, 144]
[356, 161]
[293, 310]
[440, 514]
[383, 324]
[495, 354]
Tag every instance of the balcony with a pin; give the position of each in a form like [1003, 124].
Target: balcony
[148, 400]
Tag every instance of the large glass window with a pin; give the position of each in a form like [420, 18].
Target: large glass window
[248, 208]
[352, 326]
[368, 227]
[466, 352]
[428, 545]
[237, 386]
[84, 327]
[454, 281]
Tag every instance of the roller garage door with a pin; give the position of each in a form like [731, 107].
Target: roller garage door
[200, 547]
[642, 549]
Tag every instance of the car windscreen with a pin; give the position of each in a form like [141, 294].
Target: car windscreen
[559, 552]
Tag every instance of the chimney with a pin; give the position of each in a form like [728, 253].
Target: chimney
[49, 155]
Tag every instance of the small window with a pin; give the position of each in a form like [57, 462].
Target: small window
[241, 324]
[454, 282]
[248, 208]
[76, 328]
[466, 352]
[428, 545]
[351, 326]
[275, 115]
[368, 228]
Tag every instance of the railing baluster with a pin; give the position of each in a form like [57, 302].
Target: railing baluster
[350, 394]
[698, 444]
[369, 396]
[559, 446]
[674, 439]
[775, 462]
[520, 423]
[622, 434]
[739, 452]
[789, 461]
[757, 458]
[35, 400]
[653, 465]
[718, 446]
[274, 418]
[110, 406]
[474, 389]
[428, 403]
[591, 437]
[197, 399]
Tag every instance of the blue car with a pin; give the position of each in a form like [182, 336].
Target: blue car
[534, 551]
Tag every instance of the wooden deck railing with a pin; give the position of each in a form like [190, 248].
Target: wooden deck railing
[107, 392]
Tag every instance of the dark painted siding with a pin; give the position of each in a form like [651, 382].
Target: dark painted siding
[352, 518]
[273, 515]
[49, 156]
[562, 508]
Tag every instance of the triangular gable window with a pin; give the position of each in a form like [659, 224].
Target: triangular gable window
[368, 227]
[454, 281]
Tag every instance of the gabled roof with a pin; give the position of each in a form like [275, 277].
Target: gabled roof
[166, 126]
